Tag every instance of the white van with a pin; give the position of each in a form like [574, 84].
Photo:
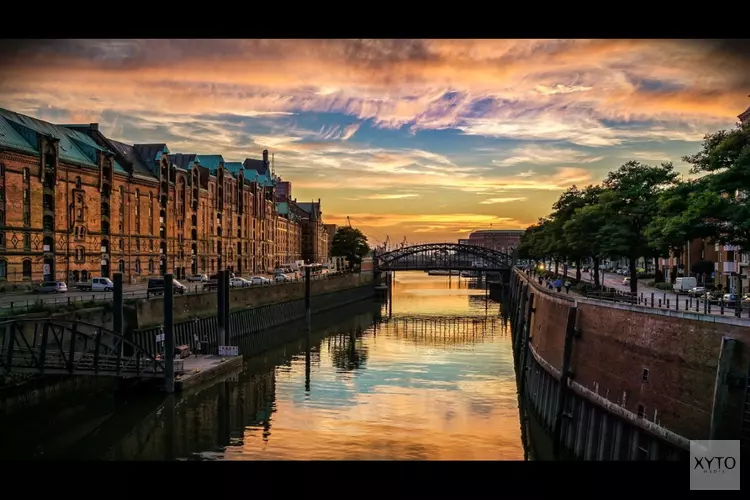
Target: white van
[683, 285]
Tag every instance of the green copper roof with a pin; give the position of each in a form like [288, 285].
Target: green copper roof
[262, 180]
[233, 166]
[282, 208]
[119, 169]
[10, 138]
[211, 162]
[74, 146]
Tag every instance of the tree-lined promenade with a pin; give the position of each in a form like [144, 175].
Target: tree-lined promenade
[648, 211]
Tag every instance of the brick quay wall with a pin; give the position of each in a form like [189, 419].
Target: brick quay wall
[660, 365]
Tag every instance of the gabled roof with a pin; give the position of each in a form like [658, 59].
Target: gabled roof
[184, 161]
[131, 158]
[151, 154]
[233, 166]
[211, 162]
[261, 179]
[259, 166]
[313, 209]
[21, 132]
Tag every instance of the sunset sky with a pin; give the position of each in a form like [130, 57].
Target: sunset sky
[428, 139]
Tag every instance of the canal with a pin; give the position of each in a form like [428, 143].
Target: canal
[430, 378]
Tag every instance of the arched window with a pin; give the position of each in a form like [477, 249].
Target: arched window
[78, 183]
[26, 174]
[122, 244]
[27, 269]
[3, 269]
[150, 265]
[137, 266]
[121, 266]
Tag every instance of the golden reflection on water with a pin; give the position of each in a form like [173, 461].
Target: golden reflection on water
[419, 389]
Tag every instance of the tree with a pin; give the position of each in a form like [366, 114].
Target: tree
[631, 203]
[681, 217]
[351, 243]
[582, 231]
[724, 205]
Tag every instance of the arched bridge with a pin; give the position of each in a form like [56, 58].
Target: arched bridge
[443, 257]
[50, 346]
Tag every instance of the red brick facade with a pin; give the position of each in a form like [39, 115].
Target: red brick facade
[130, 208]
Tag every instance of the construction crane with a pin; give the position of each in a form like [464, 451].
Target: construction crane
[348, 221]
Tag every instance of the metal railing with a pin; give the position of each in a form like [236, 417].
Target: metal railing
[663, 300]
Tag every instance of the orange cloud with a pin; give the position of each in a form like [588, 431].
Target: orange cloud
[581, 99]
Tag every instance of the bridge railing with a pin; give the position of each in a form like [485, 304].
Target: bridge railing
[50, 346]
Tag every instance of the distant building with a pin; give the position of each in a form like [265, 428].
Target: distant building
[314, 234]
[745, 116]
[464, 242]
[331, 232]
[500, 240]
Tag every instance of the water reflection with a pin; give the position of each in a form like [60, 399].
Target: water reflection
[433, 381]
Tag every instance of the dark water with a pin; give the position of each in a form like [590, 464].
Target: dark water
[431, 378]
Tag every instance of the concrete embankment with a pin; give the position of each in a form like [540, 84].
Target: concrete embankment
[601, 375]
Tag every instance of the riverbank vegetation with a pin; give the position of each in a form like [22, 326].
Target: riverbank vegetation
[647, 211]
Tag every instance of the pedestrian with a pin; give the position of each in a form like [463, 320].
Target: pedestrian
[558, 284]
[567, 286]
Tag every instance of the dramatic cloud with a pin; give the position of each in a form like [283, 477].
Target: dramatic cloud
[493, 201]
[422, 123]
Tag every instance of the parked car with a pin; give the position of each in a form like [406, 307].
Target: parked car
[200, 278]
[281, 278]
[51, 287]
[697, 291]
[155, 286]
[96, 285]
[259, 280]
[729, 298]
[712, 296]
[238, 283]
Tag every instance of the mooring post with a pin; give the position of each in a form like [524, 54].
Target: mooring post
[169, 333]
[519, 324]
[562, 390]
[525, 340]
[308, 293]
[220, 307]
[117, 305]
[721, 389]
[227, 302]
[117, 314]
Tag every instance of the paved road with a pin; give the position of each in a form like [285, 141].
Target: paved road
[22, 300]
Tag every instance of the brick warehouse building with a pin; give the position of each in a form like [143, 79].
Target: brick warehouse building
[501, 240]
[76, 204]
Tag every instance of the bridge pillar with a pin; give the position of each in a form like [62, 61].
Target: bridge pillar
[169, 346]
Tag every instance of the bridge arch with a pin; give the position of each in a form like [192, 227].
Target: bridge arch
[66, 347]
[443, 256]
